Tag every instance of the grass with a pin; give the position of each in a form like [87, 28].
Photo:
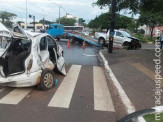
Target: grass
[145, 39]
[151, 118]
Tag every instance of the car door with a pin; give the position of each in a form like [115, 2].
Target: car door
[44, 53]
[118, 37]
[59, 60]
[18, 32]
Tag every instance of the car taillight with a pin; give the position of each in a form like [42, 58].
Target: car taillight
[30, 64]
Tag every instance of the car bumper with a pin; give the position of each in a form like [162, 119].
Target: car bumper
[22, 80]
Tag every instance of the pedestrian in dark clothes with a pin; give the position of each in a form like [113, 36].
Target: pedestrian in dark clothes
[161, 41]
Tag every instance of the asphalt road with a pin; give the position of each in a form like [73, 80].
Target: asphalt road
[77, 55]
[135, 70]
[78, 97]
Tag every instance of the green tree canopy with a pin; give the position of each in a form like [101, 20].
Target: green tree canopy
[151, 11]
[6, 18]
[7, 15]
[121, 4]
[150, 19]
[47, 22]
[66, 21]
[134, 5]
[103, 22]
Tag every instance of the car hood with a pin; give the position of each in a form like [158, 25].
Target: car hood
[134, 38]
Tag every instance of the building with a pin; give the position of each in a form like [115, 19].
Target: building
[69, 16]
[38, 26]
[156, 31]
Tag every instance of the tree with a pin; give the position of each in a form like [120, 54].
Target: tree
[150, 19]
[121, 4]
[47, 22]
[134, 5]
[66, 21]
[6, 18]
[154, 6]
[150, 10]
[103, 22]
[81, 21]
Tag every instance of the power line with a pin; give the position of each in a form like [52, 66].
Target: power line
[18, 7]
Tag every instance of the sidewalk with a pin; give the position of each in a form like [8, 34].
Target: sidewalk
[134, 70]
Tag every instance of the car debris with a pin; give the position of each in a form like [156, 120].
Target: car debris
[29, 59]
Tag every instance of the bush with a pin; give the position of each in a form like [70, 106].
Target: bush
[141, 31]
[145, 39]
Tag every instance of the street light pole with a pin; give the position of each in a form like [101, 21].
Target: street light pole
[59, 13]
[112, 23]
[26, 14]
[34, 22]
[30, 16]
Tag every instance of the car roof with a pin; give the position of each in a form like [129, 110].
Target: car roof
[122, 31]
[33, 34]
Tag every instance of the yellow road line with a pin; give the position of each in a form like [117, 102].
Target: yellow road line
[146, 71]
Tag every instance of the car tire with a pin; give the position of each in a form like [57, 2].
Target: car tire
[47, 80]
[138, 46]
[57, 37]
[125, 45]
[101, 41]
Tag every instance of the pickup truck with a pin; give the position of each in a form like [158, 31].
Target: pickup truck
[121, 37]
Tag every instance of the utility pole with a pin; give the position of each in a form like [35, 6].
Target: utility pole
[30, 16]
[26, 14]
[43, 21]
[3, 18]
[34, 22]
[59, 13]
[112, 23]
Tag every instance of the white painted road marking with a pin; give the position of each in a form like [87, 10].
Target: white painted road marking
[15, 96]
[89, 55]
[63, 95]
[1, 90]
[102, 97]
[126, 101]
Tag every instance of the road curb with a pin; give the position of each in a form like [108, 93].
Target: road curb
[123, 96]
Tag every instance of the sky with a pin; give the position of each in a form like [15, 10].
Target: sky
[49, 9]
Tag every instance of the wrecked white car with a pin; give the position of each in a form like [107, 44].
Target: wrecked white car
[29, 59]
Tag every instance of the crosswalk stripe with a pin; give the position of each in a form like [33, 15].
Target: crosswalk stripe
[15, 96]
[102, 97]
[63, 95]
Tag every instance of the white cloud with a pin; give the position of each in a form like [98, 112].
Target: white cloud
[50, 8]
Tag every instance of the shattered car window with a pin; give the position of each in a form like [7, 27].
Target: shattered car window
[4, 41]
[43, 44]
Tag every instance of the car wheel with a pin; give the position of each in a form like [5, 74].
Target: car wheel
[138, 46]
[125, 45]
[101, 41]
[58, 39]
[47, 80]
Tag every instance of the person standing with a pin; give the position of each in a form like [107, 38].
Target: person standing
[161, 41]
